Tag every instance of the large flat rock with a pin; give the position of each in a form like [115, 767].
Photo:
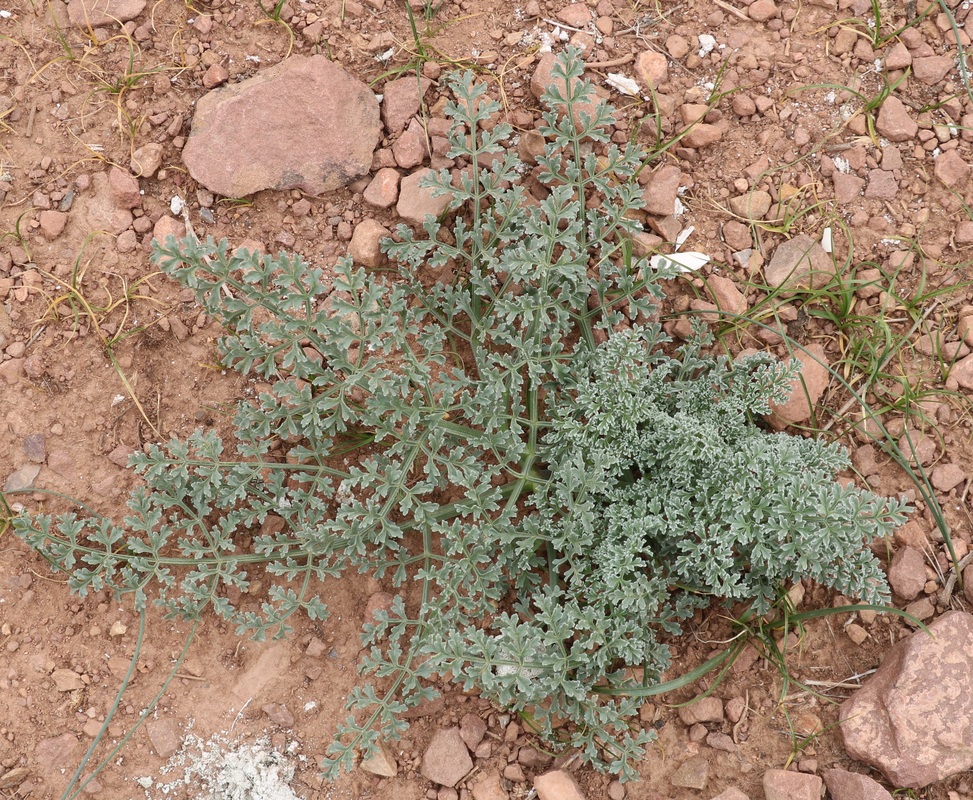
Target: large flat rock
[302, 124]
[913, 719]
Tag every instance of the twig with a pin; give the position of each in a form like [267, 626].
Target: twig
[615, 62]
[732, 9]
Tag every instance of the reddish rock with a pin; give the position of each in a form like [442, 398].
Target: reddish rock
[446, 760]
[847, 188]
[731, 794]
[98, 13]
[843, 785]
[410, 148]
[693, 773]
[931, 70]
[124, 188]
[415, 202]
[894, 122]
[165, 736]
[946, 477]
[52, 223]
[146, 160]
[662, 190]
[726, 295]
[952, 169]
[401, 99]
[652, 68]
[751, 206]
[489, 787]
[800, 261]
[168, 226]
[698, 133]
[302, 124]
[706, 709]
[898, 57]
[743, 105]
[383, 190]
[472, 728]
[382, 762]
[53, 757]
[365, 247]
[913, 719]
[881, 185]
[807, 388]
[962, 373]
[780, 784]
[559, 784]
[762, 10]
[577, 15]
[215, 75]
[907, 573]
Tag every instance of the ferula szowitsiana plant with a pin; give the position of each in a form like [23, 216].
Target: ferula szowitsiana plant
[500, 423]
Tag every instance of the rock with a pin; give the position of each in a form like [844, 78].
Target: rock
[737, 235]
[165, 736]
[22, 478]
[726, 295]
[652, 68]
[881, 185]
[917, 447]
[98, 13]
[67, 680]
[677, 46]
[489, 787]
[365, 245]
[894, 122]
[302, 124]
[843, 785]
[856, 633]
[146, 160]
[383, 190]
[946, 477]
[807, 388]
[743, 105]
[34, 447]
[780, 784]
[126, 242]
[14, 777]
[168, 226]
[401, 99]
[446, 760]
[731, 794]
[12, 370]
[721, 741]
[800, 261]
[382, 763]
[416, 203]
[691, 774]
[662, 190]
[214, 76]
[279, 715]
[706, 709]
[52, 223]
[410, 148]
[576, 15]
[54, 756]
[472, 729]
[962, 372]
[907, 573]
[913, 719]
[922, 609]
[762, 10]
[751, 206]
[124, 188]
[952, 169]
[847, 188]
[558, 784]
[698, 133]
[898, 57]
[98, 211]
[931, 70]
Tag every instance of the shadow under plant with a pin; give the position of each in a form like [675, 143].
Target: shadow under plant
[502, 425]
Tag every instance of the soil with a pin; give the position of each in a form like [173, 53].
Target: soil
[75, 102]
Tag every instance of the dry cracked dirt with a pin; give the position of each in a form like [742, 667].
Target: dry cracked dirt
[846, 123]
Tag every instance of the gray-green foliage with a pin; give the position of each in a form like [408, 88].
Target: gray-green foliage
[498, 423]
